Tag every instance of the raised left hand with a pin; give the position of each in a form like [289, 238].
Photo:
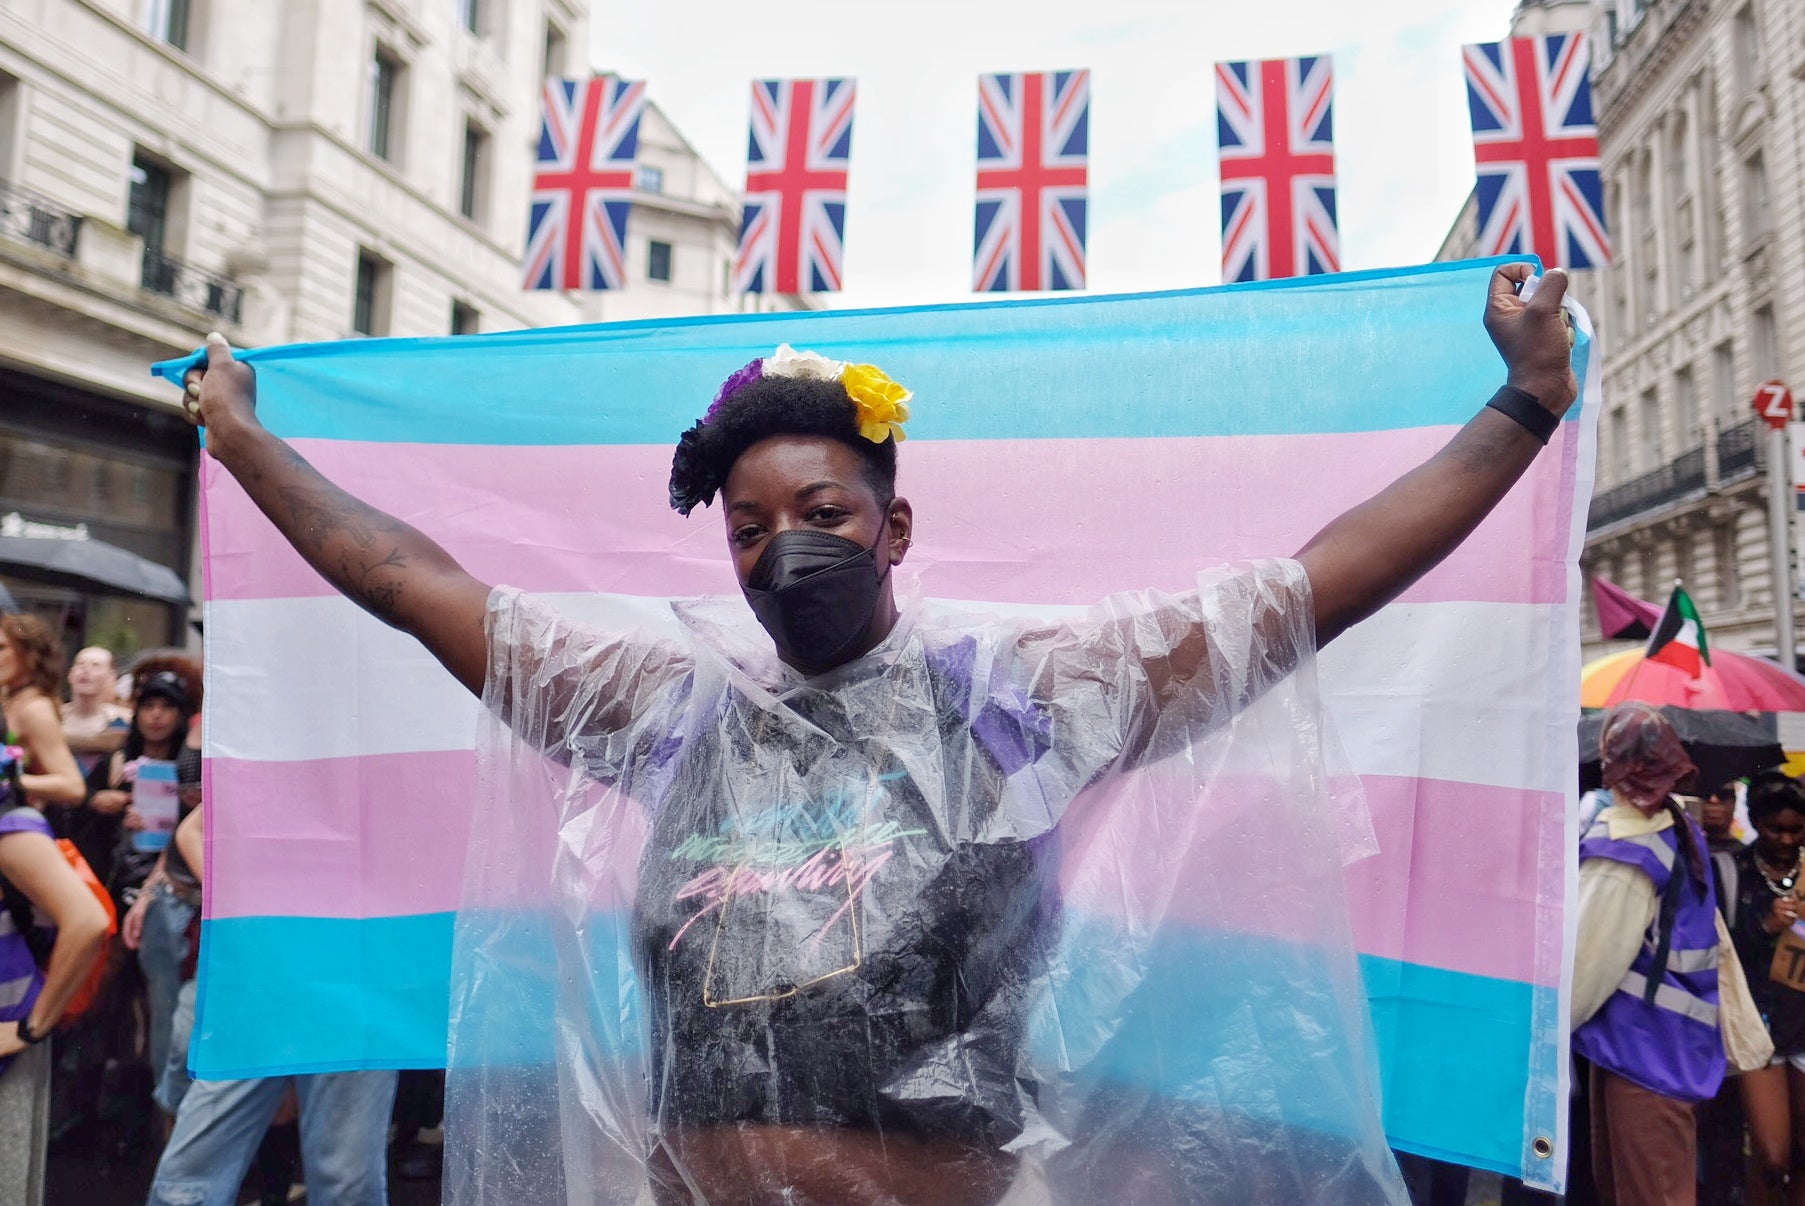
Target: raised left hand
[1532, 335]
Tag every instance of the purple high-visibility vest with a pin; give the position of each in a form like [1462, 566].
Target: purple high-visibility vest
[1668, 1040]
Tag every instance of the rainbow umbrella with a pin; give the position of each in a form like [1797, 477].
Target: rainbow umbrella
[1733, 682]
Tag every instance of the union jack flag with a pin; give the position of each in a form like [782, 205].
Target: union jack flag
[583, 186]
[793, 224]
[1276, 138]
[1033, 162]
[1536, 146]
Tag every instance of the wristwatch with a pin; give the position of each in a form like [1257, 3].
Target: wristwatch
[26, 1034]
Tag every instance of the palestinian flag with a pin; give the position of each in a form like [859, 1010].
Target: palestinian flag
[1679, 639]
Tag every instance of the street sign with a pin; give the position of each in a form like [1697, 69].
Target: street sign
[1773, 402]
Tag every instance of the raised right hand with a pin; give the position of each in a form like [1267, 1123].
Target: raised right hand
[222, 393]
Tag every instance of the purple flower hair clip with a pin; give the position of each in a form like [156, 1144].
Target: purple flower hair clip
[733, 385]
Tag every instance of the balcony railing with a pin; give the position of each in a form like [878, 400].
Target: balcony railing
[29, 218]
[1681, 476]
[1742, 449]
[193, 286]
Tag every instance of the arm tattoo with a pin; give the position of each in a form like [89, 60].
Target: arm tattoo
[339, 536]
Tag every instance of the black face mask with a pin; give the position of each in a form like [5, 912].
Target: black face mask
[815, 593]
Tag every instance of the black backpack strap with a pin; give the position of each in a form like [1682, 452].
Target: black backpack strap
[1664, 922]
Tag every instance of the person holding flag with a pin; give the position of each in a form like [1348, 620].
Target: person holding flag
[837, 930]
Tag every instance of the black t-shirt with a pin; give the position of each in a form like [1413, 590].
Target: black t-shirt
[869, 966]
[1782, 1008]
[95, 834]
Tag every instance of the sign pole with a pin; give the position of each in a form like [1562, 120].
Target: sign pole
[1773, 402]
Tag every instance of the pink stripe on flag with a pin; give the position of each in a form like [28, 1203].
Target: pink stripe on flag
[1454, 884]
[1463, 872]
[595, 518]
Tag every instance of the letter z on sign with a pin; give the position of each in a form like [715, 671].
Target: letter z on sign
[1773, 402]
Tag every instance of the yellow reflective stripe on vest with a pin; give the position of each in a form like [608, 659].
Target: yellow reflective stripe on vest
[1671, 999]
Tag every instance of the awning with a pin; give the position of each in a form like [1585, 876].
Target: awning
[69, 556]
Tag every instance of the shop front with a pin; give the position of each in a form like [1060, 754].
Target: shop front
[97, 503]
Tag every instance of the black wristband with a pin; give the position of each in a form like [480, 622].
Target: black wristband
[1522, 408]
[26, 1034]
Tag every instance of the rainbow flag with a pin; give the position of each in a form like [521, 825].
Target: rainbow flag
[1062, 449]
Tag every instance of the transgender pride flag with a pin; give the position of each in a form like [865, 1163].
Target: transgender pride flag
[1062, 449]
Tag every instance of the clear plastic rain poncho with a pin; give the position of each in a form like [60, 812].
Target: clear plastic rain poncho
[1029, 907]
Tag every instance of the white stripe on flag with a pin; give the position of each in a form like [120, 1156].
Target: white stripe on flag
[1423, 690]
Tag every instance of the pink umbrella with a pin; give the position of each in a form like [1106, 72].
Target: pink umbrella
[1733, 682]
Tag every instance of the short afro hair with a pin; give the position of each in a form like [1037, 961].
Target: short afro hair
[1773, 792]
[766, 407]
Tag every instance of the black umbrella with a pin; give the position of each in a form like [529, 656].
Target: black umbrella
[1723, 745]
[70, 557]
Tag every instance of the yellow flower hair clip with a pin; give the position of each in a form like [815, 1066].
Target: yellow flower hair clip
[882, 404]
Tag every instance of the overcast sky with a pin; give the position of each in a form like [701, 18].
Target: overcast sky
[1402, 143]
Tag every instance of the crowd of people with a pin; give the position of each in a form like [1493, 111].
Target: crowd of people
[1688, 1003]
[101, 825]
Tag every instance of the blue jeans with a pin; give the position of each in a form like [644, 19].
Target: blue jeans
[173, 1081]
[161, 954]
[344, 1138]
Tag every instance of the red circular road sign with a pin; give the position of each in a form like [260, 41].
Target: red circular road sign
[1773, 402]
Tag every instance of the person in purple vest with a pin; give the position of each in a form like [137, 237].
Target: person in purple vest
[1660, 1006]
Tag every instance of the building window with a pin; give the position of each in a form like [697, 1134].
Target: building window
[1642, 193]
[1723, 384]
[648, 179]
[147, 212]
[473, 184]
[1620, 445]
[1681, 207]
[150, 215]
[1748, 47]
[1757, 211]
[1723, 563]
[1767, 344]
[465, 319]
[552, 66]
[1611, 34]
[470, 15]
[1643, 196]
[658, 260]
[1685, 401]
[9, 124]
[370, 298]
[385, 106]
[168, 20]
[1649, 419]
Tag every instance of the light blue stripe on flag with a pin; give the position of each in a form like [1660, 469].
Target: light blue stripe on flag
[1475, 1030]
[645, 382]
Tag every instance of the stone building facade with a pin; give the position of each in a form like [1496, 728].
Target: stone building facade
[1701, 118]
[294, 171]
